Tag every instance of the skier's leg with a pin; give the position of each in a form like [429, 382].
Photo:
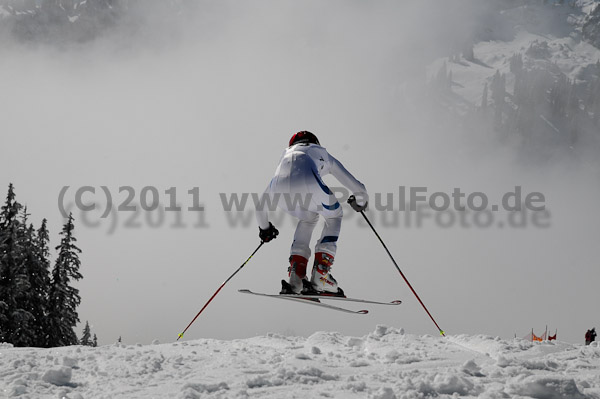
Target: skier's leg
[329, 237]
[325, 250]
[300, 252]
[303, 234]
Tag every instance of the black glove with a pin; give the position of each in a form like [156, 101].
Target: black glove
[355, 206]
[268, 234]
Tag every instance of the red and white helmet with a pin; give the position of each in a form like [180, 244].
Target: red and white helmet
[304, 137]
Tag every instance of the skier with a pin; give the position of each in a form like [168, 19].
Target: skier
[590, 336]
[298, 179]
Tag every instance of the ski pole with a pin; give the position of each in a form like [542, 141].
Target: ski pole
[402, 274]
[217, 291]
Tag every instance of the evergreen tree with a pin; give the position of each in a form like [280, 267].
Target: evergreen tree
[498, 88]
[558, 95]
[32, 291]
[595, 104]
[484, 97]
[468, 52]
[42, 242]
[441, 79]
[8, 265]
[86, 338]
[572, 106]
[29, 287]
[95, 341]
[63, 298]
[516, 64]
[39, 280]
[573, 114]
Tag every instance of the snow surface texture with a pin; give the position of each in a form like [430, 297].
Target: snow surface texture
[385, 364]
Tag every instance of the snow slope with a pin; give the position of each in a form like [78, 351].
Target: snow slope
[514, 31]
[384, 364]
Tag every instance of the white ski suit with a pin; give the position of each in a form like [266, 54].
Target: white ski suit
[298, 189]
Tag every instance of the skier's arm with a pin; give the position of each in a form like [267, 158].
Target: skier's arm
[262, 211]
[343, 176]
[266, 230]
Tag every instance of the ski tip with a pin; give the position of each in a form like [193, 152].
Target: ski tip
[362, 312]
[396, 302]
[244, 290]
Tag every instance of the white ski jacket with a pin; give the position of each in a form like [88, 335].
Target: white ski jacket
[302, 164]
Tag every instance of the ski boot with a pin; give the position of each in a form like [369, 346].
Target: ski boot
[322, 282]
[297, 273]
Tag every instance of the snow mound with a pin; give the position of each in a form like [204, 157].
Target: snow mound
[196, 391]
[60, 377]
[543, 387]
[386, 363]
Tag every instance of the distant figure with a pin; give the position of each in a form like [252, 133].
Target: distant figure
[590, 336]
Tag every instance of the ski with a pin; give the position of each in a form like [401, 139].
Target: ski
[312, 300]
[342, 298]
